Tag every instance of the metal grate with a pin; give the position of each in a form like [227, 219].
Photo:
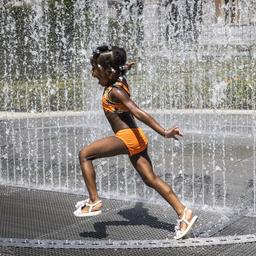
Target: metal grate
[34, 220]
[35, 214]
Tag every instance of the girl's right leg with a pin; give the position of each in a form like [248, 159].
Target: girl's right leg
[107, 147]
[143, 165]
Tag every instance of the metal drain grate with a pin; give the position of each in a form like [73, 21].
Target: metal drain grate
[129, 244]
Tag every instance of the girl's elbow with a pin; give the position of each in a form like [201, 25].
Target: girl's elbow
[139, 115]
[135, 113]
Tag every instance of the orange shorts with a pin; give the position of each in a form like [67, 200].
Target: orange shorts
[134, 139]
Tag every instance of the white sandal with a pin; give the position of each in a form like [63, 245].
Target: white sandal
[180, 234]
[82, 203]
[79, 213]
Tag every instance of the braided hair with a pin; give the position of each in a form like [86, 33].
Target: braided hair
[111, 58]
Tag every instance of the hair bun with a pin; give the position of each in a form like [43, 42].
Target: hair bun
[101, 49]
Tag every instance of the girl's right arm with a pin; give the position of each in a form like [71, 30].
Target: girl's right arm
[143, 116]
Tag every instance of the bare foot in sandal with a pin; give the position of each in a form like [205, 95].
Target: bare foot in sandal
[185, 223]
[187, 215]
[89, 209]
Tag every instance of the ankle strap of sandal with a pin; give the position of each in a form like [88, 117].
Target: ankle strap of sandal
[92, 205]
[183, 218]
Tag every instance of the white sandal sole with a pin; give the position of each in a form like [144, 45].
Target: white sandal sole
[79, 213]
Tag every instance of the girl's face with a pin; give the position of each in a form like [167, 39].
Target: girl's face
[103, 76]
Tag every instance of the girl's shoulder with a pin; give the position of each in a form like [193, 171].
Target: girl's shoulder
[123, 85]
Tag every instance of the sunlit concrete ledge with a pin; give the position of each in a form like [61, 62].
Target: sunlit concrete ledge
[23, 115]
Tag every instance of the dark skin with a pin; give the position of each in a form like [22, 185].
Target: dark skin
[113, 146]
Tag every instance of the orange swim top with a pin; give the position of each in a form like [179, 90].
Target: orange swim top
[111, 106]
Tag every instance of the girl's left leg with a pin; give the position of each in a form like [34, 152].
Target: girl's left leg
[143, 165]
[106, 147]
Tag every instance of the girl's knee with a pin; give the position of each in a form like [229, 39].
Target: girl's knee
[84, 155]
[150, 181]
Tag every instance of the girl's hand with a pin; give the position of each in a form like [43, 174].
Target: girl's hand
[172, 132]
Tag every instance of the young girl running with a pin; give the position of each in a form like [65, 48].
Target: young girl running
[109, 67]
